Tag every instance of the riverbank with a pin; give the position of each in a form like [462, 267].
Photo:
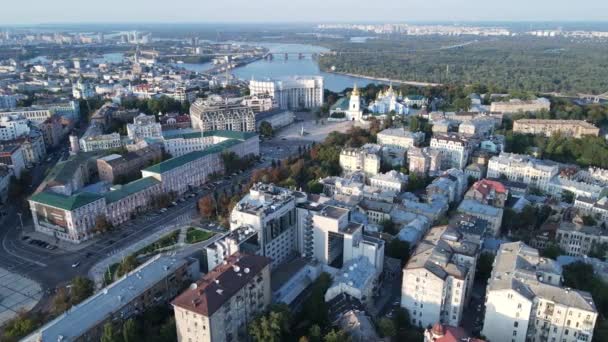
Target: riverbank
[386, 80]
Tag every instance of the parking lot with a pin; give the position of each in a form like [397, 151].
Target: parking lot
[39, 243]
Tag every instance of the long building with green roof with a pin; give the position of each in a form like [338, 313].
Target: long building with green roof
[132, 198]
[70, 218]
[76, 217]
[181, 142]
[193, 168]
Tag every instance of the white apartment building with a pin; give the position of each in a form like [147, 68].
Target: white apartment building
[392, 181]
[481, 127]
[270, 211]
[558, 184]
[83, 90]
[220, 306]
[259, 103]
[375, 211]
[454, 150]
[216, 113]
[228, 244]
[522, 168]
[572, 128]
[12, 156]
[32, 147]
[396, 142]
[35, 115]
[438, 278]
[100, 142]
[444, 186]
[415, 100]
[514, 106]
[594, 175]
[423, 160]
[578, 240]
[488, 213]
[452, 183]
[330, 236]
[177, 144]
[67, 109]
[399, 139]
[594, 207]
[355, 188]
[13, 127]
[293, 92]
[526, 302]
[8, 101]
[144, 126]
[366, 159]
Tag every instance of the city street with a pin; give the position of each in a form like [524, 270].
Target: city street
[26, 259]
[33, 265]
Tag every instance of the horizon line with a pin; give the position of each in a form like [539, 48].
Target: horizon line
[301, 22]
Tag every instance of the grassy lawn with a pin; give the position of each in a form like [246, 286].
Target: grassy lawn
[194, 235]
[165, 241]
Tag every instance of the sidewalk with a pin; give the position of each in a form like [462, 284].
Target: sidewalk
[61, 245]
[17, 293]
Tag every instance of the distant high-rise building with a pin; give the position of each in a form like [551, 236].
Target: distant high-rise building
[293, 92]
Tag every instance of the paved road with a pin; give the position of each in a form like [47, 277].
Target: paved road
[53, 268]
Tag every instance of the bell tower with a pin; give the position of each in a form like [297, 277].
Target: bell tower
[355, 100]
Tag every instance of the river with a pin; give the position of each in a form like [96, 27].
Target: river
[279, 67]
[263, 69]
[112, 57]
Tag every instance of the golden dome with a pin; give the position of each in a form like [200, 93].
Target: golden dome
[355, 91]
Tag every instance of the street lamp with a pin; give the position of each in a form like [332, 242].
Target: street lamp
[20, 219]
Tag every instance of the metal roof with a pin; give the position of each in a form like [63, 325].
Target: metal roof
[65, 202]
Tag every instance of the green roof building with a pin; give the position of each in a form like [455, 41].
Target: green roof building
[64, 202]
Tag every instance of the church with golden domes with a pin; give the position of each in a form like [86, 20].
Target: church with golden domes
[387, 102]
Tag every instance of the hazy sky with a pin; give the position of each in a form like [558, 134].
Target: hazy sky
[52, 11]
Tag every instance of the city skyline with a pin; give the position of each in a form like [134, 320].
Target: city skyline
[241, 11]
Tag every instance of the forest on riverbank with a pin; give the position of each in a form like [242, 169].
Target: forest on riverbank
[517, 63]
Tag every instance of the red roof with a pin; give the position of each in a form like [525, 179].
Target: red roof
[484, 186]
[447, 333]
[221, 283]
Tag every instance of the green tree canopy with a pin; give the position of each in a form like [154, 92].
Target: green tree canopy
[82, 288]
[266, 129]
